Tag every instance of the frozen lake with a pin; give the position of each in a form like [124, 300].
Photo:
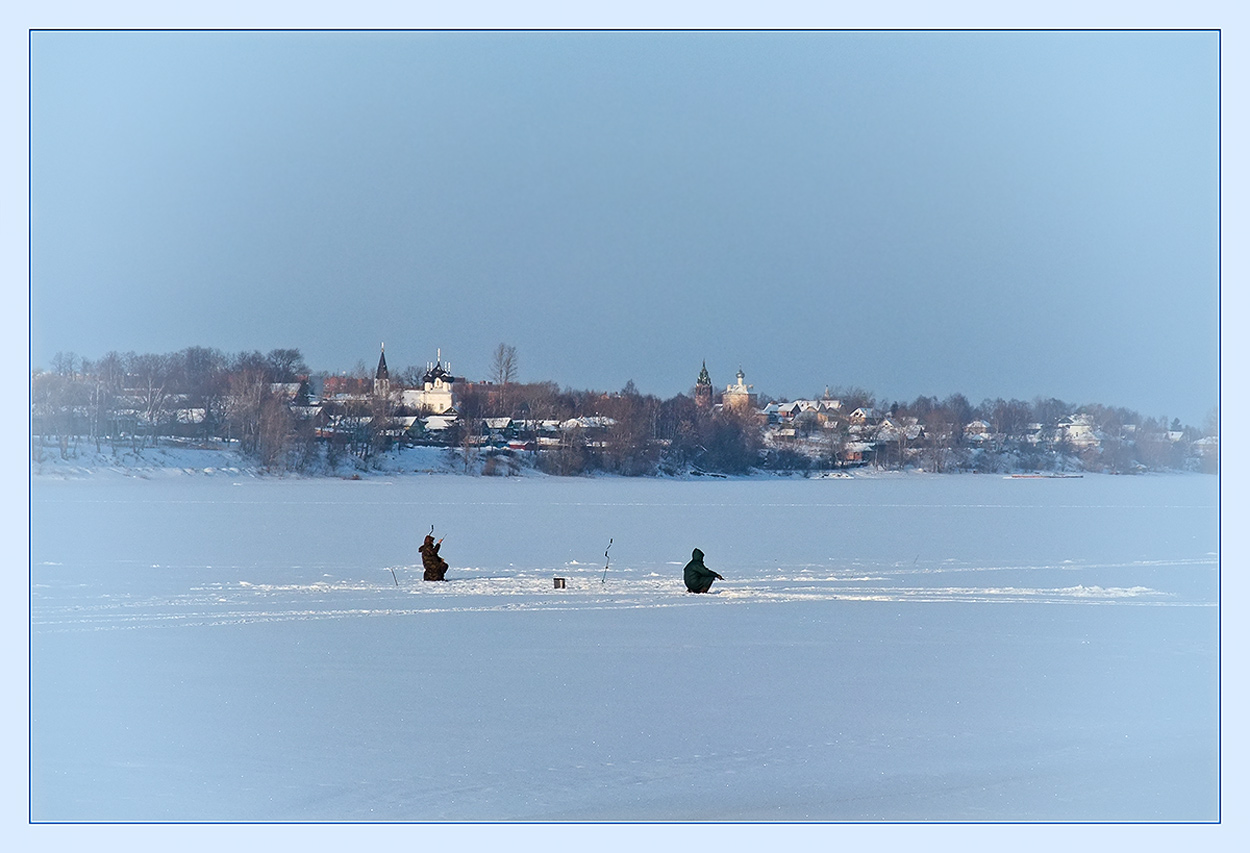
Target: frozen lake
[231, 648]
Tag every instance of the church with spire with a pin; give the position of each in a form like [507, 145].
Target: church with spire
[382, 377]
[739, 395]
[703, 389]
[435, 393]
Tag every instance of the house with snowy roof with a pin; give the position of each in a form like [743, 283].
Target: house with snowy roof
[594, 422]
[896, 428]
[858, 452]
[440, 423]
[289, 392]
[978, 432]
[787, 411]
[1207, 447]
[1079, 431]
[1035, 433]
[821, 411]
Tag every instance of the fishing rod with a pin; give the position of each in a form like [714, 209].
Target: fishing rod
[607, 560]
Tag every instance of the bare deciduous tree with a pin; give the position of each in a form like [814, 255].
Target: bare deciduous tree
[152, 379]
[286, 365]
[503, 366]
[66, 364]
[631, 448]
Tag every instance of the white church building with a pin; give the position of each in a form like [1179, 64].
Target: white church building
[434, 395]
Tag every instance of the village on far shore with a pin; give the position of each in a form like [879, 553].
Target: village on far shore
[274, 410]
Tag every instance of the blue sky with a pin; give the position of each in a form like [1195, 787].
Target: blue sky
[993, 213]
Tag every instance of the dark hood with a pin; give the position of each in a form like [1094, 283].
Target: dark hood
[698, 555]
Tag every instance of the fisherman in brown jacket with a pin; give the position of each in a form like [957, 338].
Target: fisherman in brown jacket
[435, 566]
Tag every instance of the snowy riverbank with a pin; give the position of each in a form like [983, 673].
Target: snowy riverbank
[196, 459]
[172, 459]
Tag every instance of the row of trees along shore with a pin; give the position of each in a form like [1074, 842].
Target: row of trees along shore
[272, 408]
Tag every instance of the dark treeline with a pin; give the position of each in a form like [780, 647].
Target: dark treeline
[272, 408]
[625, 432]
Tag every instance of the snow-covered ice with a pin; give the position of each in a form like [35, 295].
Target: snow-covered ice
[218, 646]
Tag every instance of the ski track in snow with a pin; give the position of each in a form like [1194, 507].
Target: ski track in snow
[58, 607]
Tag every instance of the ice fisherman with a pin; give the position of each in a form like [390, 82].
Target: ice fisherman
[698, 576]
[435, 566]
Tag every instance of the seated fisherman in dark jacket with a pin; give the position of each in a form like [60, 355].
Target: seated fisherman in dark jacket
[435, 566]
[698, 576]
